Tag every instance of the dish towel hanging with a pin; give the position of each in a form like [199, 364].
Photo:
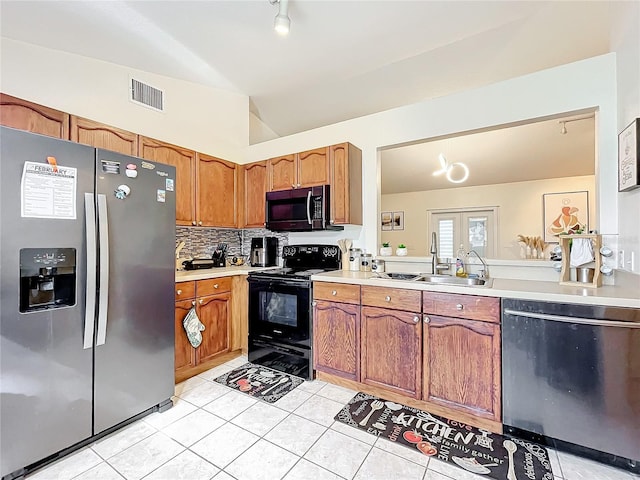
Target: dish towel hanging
[193, 326]
[581, 252]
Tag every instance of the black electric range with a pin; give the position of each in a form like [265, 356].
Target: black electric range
[280, 308]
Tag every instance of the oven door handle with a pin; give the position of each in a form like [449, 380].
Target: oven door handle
[270, 283]
[309, 207]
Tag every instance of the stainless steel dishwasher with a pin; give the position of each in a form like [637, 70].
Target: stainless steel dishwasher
[571, 378]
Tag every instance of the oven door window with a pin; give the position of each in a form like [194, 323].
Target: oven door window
[280, 312]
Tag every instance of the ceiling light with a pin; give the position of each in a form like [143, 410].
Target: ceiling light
[563, 131]
[446, 167]
[282, 21]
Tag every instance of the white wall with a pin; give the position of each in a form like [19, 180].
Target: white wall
[204, 119]
[626, 43]
[520, 210]
[586, 84]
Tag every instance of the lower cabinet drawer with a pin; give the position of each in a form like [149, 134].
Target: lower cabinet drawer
[185, 290]
[336, 292]
[472, 307]
[212, 286]
[394, 298]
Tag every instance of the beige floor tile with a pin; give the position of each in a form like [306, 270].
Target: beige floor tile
[292, 400]
[68, 467]
[230, 405]
[102, 471]
[262, 461]
[145, 456]
[259, 418]
[185, 466]
[338, 453]
[193, 427]
[577, 468]
[381, 465]
[123, 439]
[224, 445]
[204, 393]
[354, 432]
[305, 470]
[180, 409]
[319, 409]
[337, 393]
[295, 434]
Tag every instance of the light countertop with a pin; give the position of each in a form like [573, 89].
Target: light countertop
[205, 273]
[610, 295]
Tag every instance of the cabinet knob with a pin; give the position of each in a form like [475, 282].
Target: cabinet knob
[314, 303]
[200, 301]
[426, 319]
[293, 185]
[297, 185]
[416, 319]
[387, 298]
[334, 293]
[459, 306]
[193, 302]
[215, 285]
[200, 222]
[179, 292]
[332, 222]
[193, 222]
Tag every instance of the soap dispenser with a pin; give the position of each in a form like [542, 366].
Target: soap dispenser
[461, 257]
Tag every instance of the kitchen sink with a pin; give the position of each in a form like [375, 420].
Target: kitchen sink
[437, 279]
[450, 280]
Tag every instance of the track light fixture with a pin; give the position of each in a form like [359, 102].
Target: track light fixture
[282, 22]
[563, 130]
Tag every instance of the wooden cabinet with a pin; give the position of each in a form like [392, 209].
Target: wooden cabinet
[185, 161]
[99, 135]
[346, 184]
[255, 184]
[212, 300]
[462, 363]
[336, 327]
[216, 192]
[304, 169]
[391, 350]
[23, 115]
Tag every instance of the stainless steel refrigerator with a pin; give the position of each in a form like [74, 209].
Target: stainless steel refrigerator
[86, 300]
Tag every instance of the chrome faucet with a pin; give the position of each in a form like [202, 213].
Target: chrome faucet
[484, 273]
[435, 265]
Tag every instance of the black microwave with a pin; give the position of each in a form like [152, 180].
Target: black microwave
[299, 210]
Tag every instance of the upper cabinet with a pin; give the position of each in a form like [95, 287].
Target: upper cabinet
[216, 192]
[299, 170]
[254, 184]
[339, 166]
[346, 184]
[23, 115]
[103, 136]
[184, 160]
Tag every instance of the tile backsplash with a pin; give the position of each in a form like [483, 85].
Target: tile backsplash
[201, 242]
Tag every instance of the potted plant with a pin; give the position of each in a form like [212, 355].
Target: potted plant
[401, 251]
[386, 249]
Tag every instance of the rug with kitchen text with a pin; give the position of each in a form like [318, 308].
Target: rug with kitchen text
[260, 382]
[475, 450]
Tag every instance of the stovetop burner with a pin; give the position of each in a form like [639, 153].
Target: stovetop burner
[302, 261]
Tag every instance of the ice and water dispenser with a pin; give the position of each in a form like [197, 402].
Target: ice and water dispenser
[47, 278]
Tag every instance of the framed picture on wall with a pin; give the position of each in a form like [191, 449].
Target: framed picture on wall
[566, 212]
[386, 219]
[398, 220]
[628, 148]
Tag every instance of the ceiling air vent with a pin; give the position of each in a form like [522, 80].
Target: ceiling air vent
[146, 95]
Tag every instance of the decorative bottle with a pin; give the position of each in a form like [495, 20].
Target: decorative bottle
[460, 262]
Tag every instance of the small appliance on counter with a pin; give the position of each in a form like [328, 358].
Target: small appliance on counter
[218, 259]
[219, 256]
[264, 251]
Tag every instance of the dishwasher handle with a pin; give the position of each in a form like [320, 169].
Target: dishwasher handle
[578, 320]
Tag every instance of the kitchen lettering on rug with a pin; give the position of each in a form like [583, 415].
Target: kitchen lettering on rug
[475, 450]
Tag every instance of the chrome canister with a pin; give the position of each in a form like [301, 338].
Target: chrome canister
[365, 262]
[377, 265]
[354, 259]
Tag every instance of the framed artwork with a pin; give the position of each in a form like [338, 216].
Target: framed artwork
[386, 219]
[566, 212]
[628, 148]
[398, 220]
[392, 220]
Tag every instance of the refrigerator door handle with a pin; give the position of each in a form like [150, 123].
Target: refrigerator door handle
[103, 302]
[90, 295]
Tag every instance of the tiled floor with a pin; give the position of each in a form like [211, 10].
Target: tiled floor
[214, 432]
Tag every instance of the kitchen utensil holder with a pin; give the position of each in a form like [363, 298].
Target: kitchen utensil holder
[565, 273]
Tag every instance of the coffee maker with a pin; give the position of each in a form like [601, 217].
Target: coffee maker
[264, 251]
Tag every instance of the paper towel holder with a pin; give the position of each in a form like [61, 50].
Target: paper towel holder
[567, 271]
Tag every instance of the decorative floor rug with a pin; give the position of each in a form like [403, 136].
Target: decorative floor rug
[260, 382]
[475, 450]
